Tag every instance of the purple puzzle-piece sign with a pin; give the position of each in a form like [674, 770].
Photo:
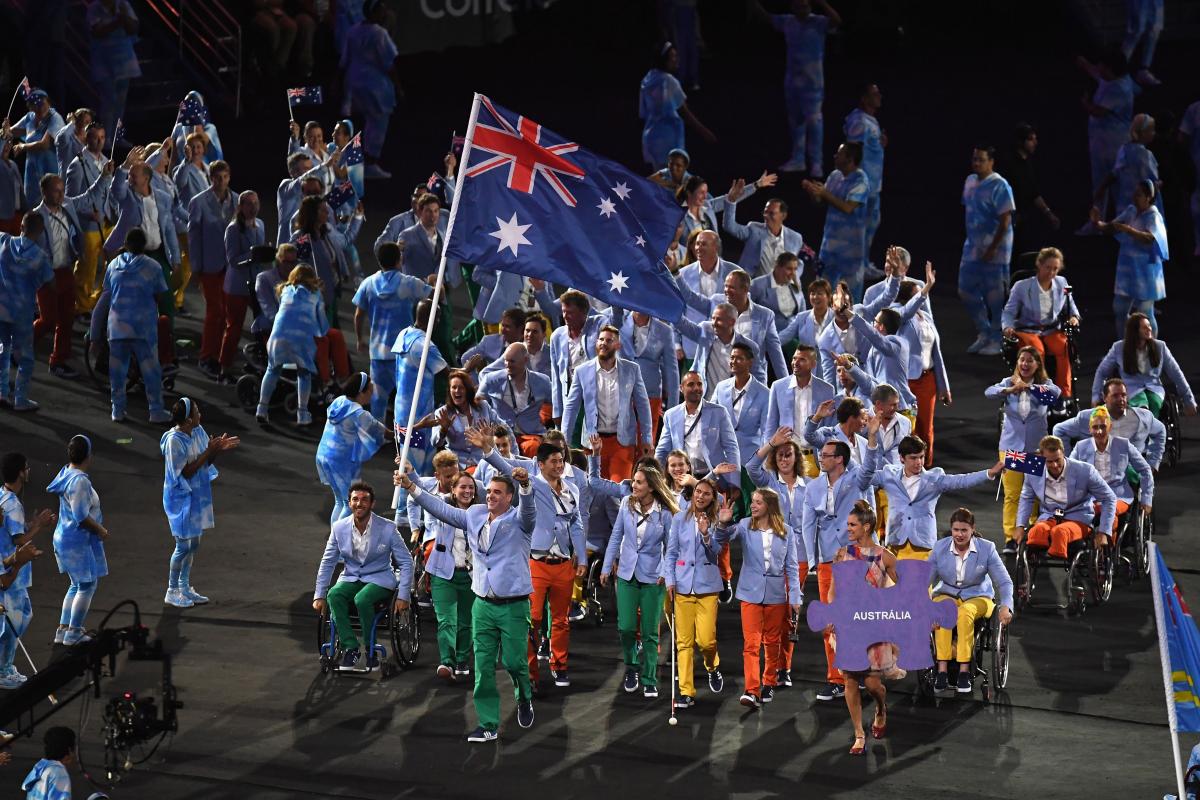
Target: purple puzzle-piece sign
[862, 615]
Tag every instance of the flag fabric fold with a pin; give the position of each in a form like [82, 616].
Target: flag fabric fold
[1176, 625]
[533, 203]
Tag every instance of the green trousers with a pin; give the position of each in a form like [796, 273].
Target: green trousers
[503, 628]
[1149, 400]
[742, 507]
[633, 596]
[362, 596]
[452, 601]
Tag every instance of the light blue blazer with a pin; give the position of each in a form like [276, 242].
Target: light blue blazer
[983, 574]
[1084, 485]
[1150, 438]
[1017, 432]
[816, 436]
[760, 582]
[89, 186]
[419, 258]
[129, 204]
[418, 520]
[495, 387]
[1113, 366]
[502, 569]
[441, 556]
[703, 335]
[1023, 311]
[403, 221]
[207, 221]
[791, 499]
[716, 434]
[558, 521]
[750, 426]
[657, 361]
[911, 333]
[287, 201]
[888, 360]
[781, 406]
[872, 294]
[762, 292]
[762, 325]
[560, 356]
[500, 291]
[644, 563]
[692, 566]
[386, 556]
[190, 180]
[754, 234]
[690, 276]
[914, 520]
[1122, 455]
[74, 240]
[631, 398]
[825, 532]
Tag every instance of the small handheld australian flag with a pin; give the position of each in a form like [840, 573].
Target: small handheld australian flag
[1027, 463]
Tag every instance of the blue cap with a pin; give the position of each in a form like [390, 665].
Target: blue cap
[679, 151]
[38, 94]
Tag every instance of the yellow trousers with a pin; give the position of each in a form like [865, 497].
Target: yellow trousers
[185, 271]
[968, 612]
[881, 514]
[695, 626]
[87, 283]
[911, 413]
[1013, 481]
[811, 470]
[909, 550]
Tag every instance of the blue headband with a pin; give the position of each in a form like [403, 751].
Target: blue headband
[665, 48]
[187, 407]
[86, 441]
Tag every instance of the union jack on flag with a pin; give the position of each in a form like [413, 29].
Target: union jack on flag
[304, 249]
[192, 112]
[434, 182]
[353, 154]
[305, 95]
[340, 195]
[1027, 463]
[456, 144]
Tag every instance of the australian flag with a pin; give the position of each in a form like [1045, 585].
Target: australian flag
[340, 195]
[456, 144]
[192, 112]
[305, 96]
[533, 203]
[418, 437]
[1043, 395]
[119, 133]
[1028, 463]
[304, 249]
[25, 90]
[353, 154]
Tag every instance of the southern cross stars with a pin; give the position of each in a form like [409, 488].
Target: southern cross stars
[618, 281]
[621, 190]
[510, 234]
[607, 208]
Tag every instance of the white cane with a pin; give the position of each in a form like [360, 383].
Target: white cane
[8, 621]
[674, 639]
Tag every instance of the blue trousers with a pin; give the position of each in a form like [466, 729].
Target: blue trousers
[16, 341]
[983, 288]
[146, 353]
[180, 576]
[271, 380]
[872, 220]
[807, 124]
[77, 602]
[1124, 305]
[383, 375]
[18, 610]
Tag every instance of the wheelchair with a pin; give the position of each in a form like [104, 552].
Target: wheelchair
[598, 600]
[1090, 571]
[1170, 416]
[95, 361]
[1135, 531]
[402, 631]
[991, 648]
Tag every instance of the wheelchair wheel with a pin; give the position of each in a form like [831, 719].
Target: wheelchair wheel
[1102, 567]
[595, 593]
[1170, 417]
[1022, 577]
[326, 646]
[247, 392]
[1141, 545]
[1077, 582]
[999, 648]
[406, 635]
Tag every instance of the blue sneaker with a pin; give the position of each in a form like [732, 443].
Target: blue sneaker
[716, 681]
[482, 734]
[768, 694]
[194, 596]
[631, 681]
[350, 659]
[525, 713]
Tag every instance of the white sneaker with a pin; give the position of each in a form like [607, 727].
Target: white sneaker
[992, 348]
[8, 681]
[118, 416]
[176, 597]
[196, 598]
[75, 636]
[376, 172]
[160, 417]
[303, 419]
[25, 405]
[980, 342]
[59, 634]
[12, 672]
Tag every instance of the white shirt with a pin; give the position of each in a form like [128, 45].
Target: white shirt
[803, 405]
[772, 246]
[691, 440]
[462, 553]
[745, 321]
[960, 561]
[927, 334]
[360, 542]
[607, 403]
[708, 281]
[848, 338]
[1103, 463]
[737, 401]
[641, 519]
[640, 334]
[576, 349]
[150, 222]
[1046, 304]
[432, 236]
[912, 484]
[1125, 427]
[785, 296]
[1024, 403]
[564, 503]
[518, 398]
[767, 536]
[58, 229]
[830, 500]
[485, 535]
[1143, 362]
[717, 368]
[888, 433]
[1056, 491]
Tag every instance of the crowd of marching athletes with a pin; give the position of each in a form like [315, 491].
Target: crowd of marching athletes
[792, 413]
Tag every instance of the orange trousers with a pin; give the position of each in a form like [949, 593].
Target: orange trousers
[332, 346]
[656, 405]
[553, 581]
[925, 389]
[762, 627]
[1054, 342]
[616, 460]
[1056, 537]
[212, 286]
[235, 316]
[56, 312]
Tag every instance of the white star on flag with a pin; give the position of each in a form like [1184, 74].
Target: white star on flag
[618, 281]
[607, 208]
[510, 234]
[641, 241]
[621, 190]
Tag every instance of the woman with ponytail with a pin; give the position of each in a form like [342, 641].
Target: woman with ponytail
[350, 438]
[188, 456]
[78, 539]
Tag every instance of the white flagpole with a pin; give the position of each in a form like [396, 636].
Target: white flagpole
[16, 94]
[1164, 657]
[437, 289]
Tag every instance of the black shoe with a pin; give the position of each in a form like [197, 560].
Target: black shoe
[631, 681]
[63, 371]
[832, 691]
[350, 659]
[768, 694]
[1010, 547]
[684, 701]
[210, 368]
[578, 612]
[783, 678]
[482, 734]
[525, 713]
[941, 682]
[649, 692]
[965, 684]
[727, 593]
[560, 677]
[750, 701]
[716, 681]
[544, 650]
